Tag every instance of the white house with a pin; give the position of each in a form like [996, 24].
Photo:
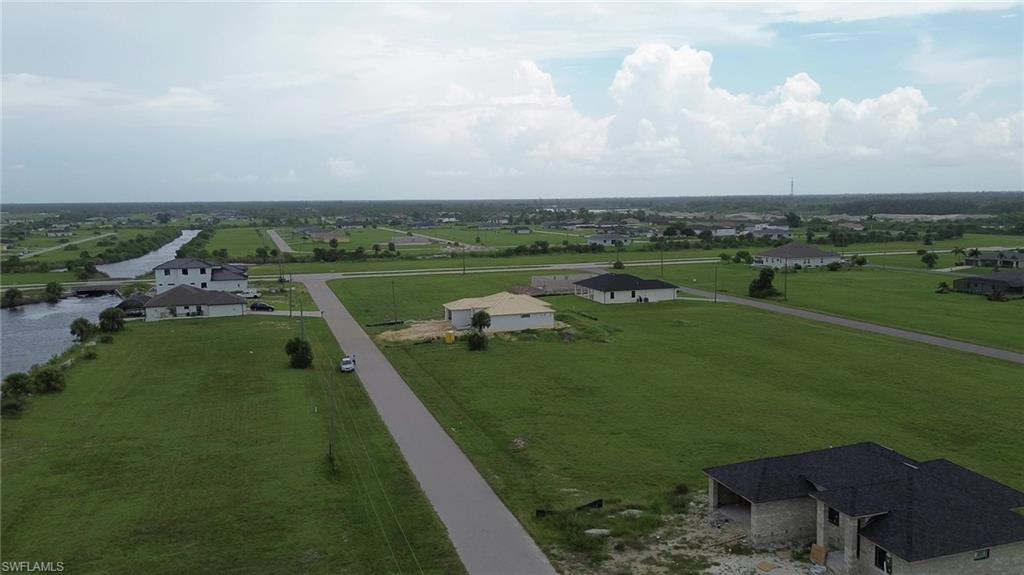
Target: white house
[188, 301]
[771, 232]
[608, 240]
[793, 254]
[624, 288]
[508, 311]
[201, 274]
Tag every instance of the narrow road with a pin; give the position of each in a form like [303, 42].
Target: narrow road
[992, 352]
[431, 238]
[282, 246]
[487, 537]
[71, 243]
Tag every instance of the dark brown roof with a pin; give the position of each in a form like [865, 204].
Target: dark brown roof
[189, 295]
[797, 250]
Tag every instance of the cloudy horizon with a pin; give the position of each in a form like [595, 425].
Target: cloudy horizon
[232, 102]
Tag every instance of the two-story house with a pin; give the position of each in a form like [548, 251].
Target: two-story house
[199, 273]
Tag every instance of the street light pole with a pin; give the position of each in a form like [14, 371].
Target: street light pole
[716, 283]
[785, 280]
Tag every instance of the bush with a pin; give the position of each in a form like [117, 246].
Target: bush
[82, 329]
[477, 342]
[834, 266]
[762, 286]
[48, 379]
[90, 354]
[618, 265]
[106, 339]
[299, 352]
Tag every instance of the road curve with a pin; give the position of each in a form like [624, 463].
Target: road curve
[487, 537]
[992, 352]
[282, 246]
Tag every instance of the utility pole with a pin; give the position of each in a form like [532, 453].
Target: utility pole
[716, 283]
[662, 243]
[463, 262]
[394, 301]
[302, 323]
[785, 280]
[291, 289]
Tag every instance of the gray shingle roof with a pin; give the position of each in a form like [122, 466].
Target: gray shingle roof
[1010, 279]
[189, 295]
[923, 510]
[622, 282]
[185, 263]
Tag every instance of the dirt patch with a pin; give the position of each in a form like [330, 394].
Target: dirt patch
[691, 543]
[419, 331]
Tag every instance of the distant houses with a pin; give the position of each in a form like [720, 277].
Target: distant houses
[608, 240]
[996, 258]
[200, 273]
[795, 254]
[508, 311]
[1007, 284]
[869, 509]
[188, 301]
[765, 231]
[522, 230]
[624, 288]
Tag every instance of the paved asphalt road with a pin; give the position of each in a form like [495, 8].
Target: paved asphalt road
[865, 326]
[282, 246]
[487, 537]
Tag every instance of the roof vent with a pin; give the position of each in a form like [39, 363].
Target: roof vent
[909, 465]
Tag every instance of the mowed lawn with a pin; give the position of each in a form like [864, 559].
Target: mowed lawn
[240, 242]
[190, 446]
[645, 396]
[894, 297]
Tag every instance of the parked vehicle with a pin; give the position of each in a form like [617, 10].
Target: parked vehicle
[348, 364]
[249, 293]
[260, 306]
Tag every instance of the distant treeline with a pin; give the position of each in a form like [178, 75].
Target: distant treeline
[859, 204]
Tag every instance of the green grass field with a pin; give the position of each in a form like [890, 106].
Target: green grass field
[648, 395]
[276, 294]
[190, 446]
[498, 238]
[239, 241]
[905, 299]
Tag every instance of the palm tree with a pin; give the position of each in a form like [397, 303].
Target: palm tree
[12, 297]
[82, 328]
[111, 319]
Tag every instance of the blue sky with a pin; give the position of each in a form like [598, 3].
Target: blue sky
[184, 102]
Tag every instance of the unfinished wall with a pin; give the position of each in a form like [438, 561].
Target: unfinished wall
[783, 522]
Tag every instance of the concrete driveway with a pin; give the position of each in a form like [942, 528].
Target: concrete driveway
[282, 246]
[487, 537]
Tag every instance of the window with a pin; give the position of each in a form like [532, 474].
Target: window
[167, 272]
[632, 294]
[611, 295]
[184, 271]
[525, 315]
[981, 555]
[202, 271]
[833, 516]
[203, 285]
[882, 560]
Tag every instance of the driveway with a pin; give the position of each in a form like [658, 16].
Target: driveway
[865, 326]
[487, 537]
[282, 246]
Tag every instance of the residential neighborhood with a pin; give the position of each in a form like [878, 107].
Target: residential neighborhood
[512, 288]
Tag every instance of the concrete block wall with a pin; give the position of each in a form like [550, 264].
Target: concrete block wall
[783, 522]
[1003, 560]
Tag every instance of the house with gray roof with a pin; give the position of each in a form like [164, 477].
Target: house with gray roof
[1009, 284]
[1008, 258]
[795, 254]
[609, 240]
[200, 273]
[874, 511]
[188, 301]
[624, 288]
